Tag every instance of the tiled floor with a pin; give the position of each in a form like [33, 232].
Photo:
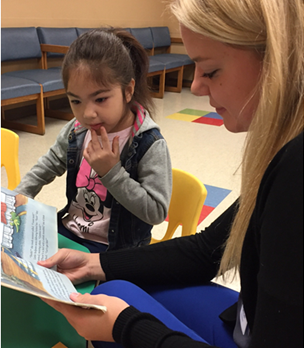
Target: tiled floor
[198, 116]
[198, 143]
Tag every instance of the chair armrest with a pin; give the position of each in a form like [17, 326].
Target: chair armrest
[176, 40]
[54, 48]
[45, 48]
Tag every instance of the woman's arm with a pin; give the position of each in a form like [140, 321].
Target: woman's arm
[136, 329]
[92, 324]
[121, 323]
[187, 260]
[278, 222]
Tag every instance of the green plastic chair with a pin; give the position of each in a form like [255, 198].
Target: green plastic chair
[28, 322]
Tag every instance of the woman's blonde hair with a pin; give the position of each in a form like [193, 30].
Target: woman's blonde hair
[275, 29]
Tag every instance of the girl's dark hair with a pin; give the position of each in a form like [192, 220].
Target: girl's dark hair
[113, 56]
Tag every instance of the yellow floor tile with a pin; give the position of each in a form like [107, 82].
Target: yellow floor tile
[183, 117]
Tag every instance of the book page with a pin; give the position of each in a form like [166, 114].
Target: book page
[22, 275]
[28, 227]
[29, 234]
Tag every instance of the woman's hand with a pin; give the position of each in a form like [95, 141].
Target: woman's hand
[78, 266]
[92, 324]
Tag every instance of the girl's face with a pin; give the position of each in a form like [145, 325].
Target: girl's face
[229, 76]
[96, 106]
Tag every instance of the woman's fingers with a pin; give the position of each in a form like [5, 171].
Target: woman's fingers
[92, 324]
[55, 259]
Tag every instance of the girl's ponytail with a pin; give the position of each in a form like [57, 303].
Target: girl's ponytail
[140, 60]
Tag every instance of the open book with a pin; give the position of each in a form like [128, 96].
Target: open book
[29, 234]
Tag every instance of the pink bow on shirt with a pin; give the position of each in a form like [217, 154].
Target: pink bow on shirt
[90, 183]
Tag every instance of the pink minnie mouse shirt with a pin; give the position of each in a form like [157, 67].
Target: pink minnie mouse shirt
[89, 213]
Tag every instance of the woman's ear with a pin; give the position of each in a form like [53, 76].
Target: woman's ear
[130, 90]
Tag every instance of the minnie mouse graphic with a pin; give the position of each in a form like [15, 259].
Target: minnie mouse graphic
[91, 203]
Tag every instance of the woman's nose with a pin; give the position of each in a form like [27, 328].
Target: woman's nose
[198, 86]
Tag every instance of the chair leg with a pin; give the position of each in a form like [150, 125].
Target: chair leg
[2, 114]
[62, 115]
[40, 128]
[40, 114]
[178, 87]
[161, 86]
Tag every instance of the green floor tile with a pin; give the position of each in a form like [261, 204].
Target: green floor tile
[194, 112]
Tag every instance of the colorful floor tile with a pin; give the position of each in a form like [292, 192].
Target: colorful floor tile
[215, 196]
[198, 116]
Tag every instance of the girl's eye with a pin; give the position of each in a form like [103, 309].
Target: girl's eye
[100, 100]
[75, 102]
[210, 75]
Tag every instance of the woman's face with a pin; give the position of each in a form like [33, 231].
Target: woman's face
[229, 76]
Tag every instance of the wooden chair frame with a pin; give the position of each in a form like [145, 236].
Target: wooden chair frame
[179, 70]
[40, 128]
[42, 103]
[161, 86]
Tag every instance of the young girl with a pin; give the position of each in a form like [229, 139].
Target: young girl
[118, 165]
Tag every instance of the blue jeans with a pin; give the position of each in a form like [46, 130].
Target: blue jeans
[193, 310]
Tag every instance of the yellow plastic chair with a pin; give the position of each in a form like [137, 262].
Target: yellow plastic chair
[188, 197]
[9, 157]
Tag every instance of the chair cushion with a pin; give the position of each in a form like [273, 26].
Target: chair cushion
[144, 36]
[183, 57]
[161, 36]
[14, 87]
[169, 60]
[82, 30]
[50, 79]
[57, 36]
[19, 43]
[155, 65]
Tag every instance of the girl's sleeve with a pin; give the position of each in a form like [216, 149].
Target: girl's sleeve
[48, 166]
[149, 197]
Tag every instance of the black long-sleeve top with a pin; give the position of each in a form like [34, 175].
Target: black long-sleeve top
[271, 265]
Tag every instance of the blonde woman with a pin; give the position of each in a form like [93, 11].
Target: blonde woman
[249, 61]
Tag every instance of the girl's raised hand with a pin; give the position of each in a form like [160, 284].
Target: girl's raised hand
[102, 158]
[78, 266]
[92, 324]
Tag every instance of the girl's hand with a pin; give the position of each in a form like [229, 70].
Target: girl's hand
[92, 324]
[78, 266]
[102, 158]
